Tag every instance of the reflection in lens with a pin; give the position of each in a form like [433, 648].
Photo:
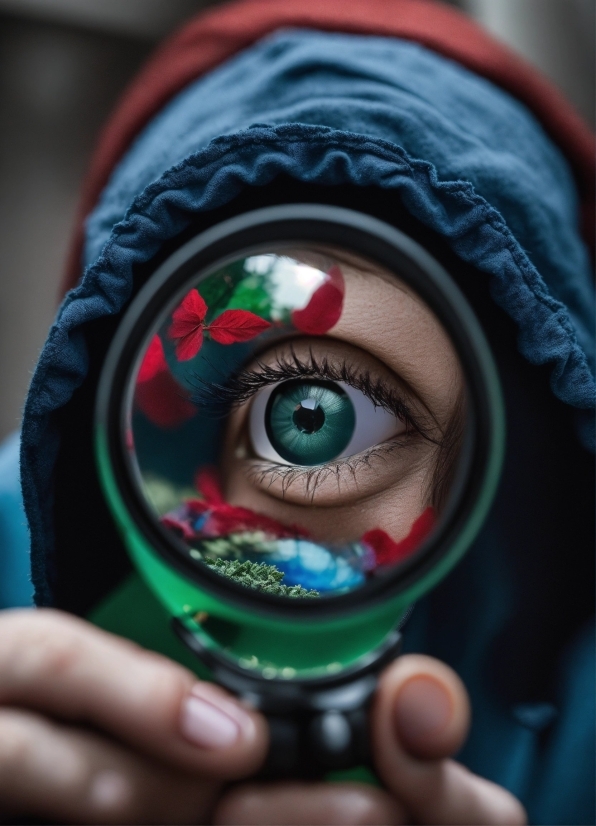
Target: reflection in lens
[289, 422]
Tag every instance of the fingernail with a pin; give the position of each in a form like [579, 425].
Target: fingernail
[423, 708]
[210, 721]
[110, 790]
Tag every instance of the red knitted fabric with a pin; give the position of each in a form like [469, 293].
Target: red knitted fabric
[213, 36]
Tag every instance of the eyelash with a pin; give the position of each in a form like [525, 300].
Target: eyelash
[220, 399]
[315, 476]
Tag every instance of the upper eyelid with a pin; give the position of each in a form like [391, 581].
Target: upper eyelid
[376, 391]
[247, 382]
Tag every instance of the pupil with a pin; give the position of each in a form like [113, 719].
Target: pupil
[308, 416]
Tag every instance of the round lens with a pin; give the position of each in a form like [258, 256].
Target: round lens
[295, 421]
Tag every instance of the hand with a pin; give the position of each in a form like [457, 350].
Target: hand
[95, 730]
[420, 718]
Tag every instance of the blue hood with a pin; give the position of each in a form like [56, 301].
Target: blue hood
[469, 163]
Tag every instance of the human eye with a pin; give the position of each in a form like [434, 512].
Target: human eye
[292, 411]
[312, 419]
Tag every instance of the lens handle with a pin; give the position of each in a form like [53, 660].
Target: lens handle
[317, 726]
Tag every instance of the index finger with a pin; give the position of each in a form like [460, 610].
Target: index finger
[67, 668]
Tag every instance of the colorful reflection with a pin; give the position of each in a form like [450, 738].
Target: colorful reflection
[253, 400]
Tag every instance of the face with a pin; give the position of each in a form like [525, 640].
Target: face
[296, 421]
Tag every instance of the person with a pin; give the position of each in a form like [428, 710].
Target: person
[410, 113]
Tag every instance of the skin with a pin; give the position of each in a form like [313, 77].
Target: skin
[395, 485]
[92, 731]
[389, 491]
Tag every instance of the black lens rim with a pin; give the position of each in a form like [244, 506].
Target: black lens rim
[304, 224]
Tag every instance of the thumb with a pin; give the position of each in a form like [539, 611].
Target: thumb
[420, 717]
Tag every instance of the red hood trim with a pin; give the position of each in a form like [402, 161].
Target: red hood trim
[213, 36]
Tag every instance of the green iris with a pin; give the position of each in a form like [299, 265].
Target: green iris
[309, 422]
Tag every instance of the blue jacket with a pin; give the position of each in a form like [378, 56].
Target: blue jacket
[476, 175]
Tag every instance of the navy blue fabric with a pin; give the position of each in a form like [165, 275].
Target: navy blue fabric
[467, 161]
[400, 94]
[570, 762]
[15, 569]
[542, 752]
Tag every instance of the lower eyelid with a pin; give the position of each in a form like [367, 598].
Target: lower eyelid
[285, 481]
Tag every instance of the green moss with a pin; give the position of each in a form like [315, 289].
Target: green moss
[258, 575]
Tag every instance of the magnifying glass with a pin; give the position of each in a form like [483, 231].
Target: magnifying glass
[299, 432]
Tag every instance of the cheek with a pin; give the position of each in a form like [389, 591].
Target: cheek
[345, 515]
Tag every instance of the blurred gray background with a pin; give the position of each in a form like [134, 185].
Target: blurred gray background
[63, 63]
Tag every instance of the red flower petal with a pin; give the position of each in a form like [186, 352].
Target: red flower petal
[197, 506]
[189, 315]
[188, 346]
[154, 360]
[236, 325]
[163, 401]
[187, 325]
[324, 308]
[157, 393]
[179, 527]
[226, 519]
[207, 483]
[388, 551]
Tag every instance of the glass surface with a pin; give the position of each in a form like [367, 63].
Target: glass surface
[296, 421]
